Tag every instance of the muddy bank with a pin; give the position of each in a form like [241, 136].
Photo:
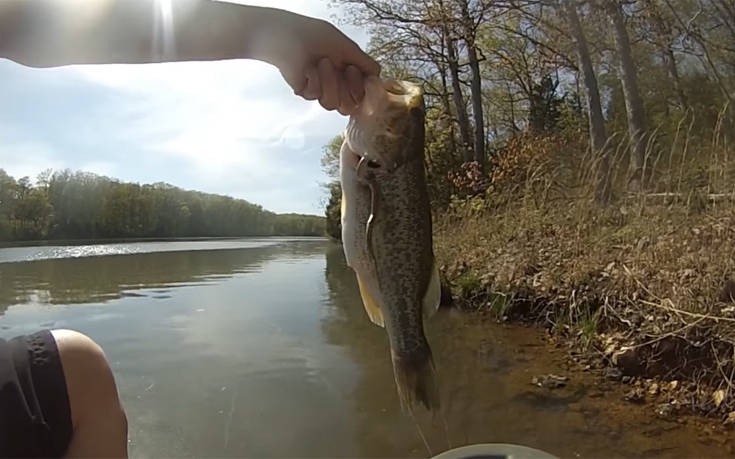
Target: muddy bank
[524, 388]
[645, 297]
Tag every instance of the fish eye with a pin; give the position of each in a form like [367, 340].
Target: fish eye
[373, 164]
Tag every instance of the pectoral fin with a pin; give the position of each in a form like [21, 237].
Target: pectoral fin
[433, 295]
[371, 306]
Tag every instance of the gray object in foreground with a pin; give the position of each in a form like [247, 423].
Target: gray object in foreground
[494, 451]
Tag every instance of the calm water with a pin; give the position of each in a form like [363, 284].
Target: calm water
[261, 348]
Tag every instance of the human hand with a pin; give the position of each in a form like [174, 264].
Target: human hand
[318, 61]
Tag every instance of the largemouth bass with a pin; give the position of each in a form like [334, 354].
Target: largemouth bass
[387, 229]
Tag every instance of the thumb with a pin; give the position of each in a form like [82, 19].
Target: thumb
[353, 55]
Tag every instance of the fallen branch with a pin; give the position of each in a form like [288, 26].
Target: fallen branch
[709, 196]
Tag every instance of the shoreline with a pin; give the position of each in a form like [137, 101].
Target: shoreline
[101, 241]
[640, 299]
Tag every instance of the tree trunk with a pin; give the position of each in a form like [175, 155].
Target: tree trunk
[673, 71]
[476, 84]
[664, 42]
[462, 120]
[633, 102]
[446, 104]
[598, 134]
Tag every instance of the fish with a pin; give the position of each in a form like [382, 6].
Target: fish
[387, 229]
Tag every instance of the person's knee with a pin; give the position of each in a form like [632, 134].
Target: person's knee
[89, 379]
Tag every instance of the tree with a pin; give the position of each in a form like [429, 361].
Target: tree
[544, 109]
[330, 157]
[470, 23]
[8, 201]
[66, 204]
[333, 211]
[633, 102]
[598, 133]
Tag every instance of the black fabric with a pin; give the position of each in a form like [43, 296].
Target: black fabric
[35, 417]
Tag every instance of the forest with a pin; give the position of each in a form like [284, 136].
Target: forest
[80, 205]
[580, 162]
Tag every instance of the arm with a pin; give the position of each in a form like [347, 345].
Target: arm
[50, 33]
[315, 58]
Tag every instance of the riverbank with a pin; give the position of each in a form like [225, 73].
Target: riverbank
[640, 292]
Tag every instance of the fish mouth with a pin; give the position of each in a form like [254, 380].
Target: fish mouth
[385, 101]
[403, 93]
[387, 94]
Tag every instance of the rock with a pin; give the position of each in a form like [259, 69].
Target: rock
[613, 374]
[717, 397]
[549, 381]
[727, 294]
[653, 389]
[446, 300]
[636, 395]
[628, 359]
[667, 410]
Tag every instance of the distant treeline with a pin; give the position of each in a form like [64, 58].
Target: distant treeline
[80, 205]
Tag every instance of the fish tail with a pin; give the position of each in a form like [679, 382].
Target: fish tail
[415, 377]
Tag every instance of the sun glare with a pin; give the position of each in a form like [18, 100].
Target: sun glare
[164, 27]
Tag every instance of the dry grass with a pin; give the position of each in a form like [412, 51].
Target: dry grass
[644, 284]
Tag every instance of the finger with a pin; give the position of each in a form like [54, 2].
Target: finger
[312, 86]
[355, 83]
[347, 104]
[329, 97]
[353, 55]
[297, 81]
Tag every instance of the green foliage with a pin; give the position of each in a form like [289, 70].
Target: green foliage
[587, 322]
[330, 157]
[330, 166]
[500, 304]
[544, 112]
[67, 204]
[333, 211]
[467, 284]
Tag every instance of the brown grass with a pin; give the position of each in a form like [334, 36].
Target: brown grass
[644, 284]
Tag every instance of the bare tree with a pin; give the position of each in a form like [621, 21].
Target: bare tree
[469, 28]
[598, 133]
[453, 63]
[633, 102]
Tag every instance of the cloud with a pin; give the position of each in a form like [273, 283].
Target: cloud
[230, 127]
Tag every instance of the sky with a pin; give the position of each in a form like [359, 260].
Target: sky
[227, 127]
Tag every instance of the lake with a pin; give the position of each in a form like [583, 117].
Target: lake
[260, 347]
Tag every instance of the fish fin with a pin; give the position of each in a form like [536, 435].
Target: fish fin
[415, 381]
[371, 307]
[343, 206]
[433, 295]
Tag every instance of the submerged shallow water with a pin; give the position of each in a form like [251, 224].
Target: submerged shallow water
[261, 348]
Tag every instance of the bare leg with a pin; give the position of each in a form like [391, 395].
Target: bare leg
[98, 419]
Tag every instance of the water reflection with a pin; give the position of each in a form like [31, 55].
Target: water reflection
[485, 375]
[463, 353]
[384, 431]
[97, 279]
